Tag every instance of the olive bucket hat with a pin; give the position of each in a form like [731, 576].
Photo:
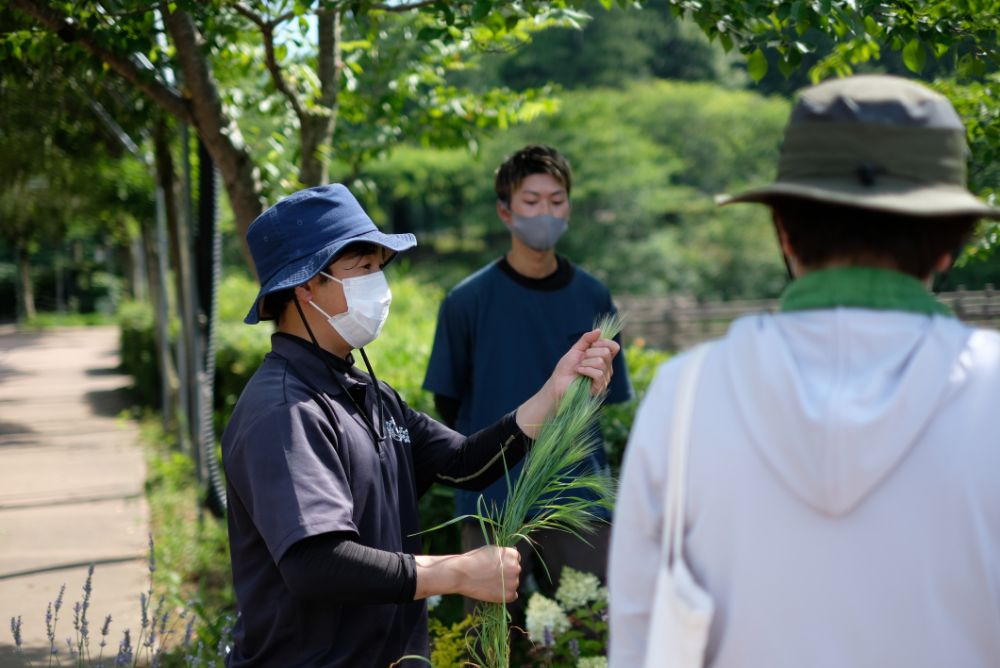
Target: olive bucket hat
[874, 142]
[298, 237]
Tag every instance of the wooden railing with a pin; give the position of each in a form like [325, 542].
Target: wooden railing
[677, 322]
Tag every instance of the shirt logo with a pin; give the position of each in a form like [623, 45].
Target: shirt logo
[397, 433]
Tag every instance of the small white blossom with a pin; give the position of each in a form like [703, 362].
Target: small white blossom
[433, 601]
[577, 589]
[592, 662]
[544, 613]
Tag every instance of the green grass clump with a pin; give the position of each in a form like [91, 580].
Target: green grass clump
[544, 497]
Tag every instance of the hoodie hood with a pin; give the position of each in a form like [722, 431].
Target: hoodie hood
[835, 398]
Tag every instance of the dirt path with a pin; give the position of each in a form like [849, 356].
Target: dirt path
[71, 489]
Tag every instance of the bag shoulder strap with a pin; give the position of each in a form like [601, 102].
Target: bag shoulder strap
[678, 446]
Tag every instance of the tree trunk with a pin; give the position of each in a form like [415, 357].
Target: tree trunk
[166, 183]
[221, 135]
[159, 298]
[316, 126]
[27, 287]
[315, 131]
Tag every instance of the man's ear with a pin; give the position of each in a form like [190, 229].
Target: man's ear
[943, 264]
[304, 292]
[503, 211]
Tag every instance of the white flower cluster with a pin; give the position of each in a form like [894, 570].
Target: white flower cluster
[544, 613]
[592, 662]
[577, 589]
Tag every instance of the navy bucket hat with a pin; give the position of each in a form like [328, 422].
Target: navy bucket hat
[296, 238]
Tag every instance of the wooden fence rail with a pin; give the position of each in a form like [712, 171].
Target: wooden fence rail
[677, 322]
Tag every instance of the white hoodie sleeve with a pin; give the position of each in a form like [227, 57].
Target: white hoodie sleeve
[637, 526]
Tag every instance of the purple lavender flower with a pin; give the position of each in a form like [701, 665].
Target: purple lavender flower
[52, 620]
[87, 590]
[50, 629]
[188, 632]
[59, 600]
[152, 555]
[15, 629]
[574, 648]
[548, 640]
[124, 657]
[104, 631]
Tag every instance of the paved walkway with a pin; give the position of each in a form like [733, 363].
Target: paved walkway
[71, 488]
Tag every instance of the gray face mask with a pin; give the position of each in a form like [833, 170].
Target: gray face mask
[538, 232]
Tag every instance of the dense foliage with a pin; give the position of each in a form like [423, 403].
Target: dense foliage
[647, 161]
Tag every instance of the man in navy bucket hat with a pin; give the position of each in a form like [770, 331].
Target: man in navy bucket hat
[325, 464]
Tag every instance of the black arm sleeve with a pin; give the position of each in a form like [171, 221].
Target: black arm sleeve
[447, 408]
[334, 568]
[445, 456]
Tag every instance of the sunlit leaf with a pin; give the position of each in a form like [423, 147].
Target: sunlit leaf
[915, 56]
[757, 65]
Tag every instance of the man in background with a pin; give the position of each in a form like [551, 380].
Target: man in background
[501, 331]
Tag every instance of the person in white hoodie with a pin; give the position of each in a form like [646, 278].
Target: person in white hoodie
[843, 476]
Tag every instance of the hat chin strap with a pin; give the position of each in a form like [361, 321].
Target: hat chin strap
[298, 307]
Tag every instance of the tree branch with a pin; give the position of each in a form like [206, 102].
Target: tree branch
[405, 8]
[250, 14]
[68, 30]
[258, 19]
[267, 32]
[331, 62]
[221, 136]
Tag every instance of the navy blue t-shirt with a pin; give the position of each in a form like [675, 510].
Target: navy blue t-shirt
[300, 461]
[500, 335]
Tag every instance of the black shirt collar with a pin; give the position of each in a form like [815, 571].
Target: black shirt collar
[308, 358]
[557, 280]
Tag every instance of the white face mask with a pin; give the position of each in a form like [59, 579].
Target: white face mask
[368, 298]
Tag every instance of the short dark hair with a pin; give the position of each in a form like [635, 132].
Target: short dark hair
[532, 159]
[274, 304]
[819, 232]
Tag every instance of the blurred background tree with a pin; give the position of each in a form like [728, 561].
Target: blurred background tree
[413, 103]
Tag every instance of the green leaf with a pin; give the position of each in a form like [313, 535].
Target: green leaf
[481, 9]
[757, 65]
[428, 33]
[872, 27]
[914, 56]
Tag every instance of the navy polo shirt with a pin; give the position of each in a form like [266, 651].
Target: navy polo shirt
[301, 461]
[499, 336]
